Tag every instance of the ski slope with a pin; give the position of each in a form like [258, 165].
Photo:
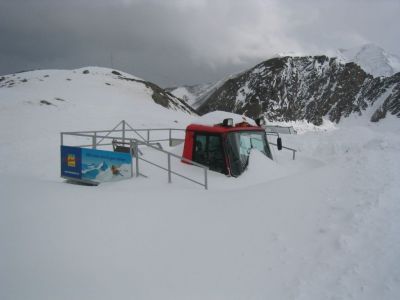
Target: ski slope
[324, 226]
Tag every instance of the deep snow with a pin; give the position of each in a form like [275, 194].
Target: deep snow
[324, 226]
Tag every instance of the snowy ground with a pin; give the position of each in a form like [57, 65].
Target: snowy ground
[324, 226]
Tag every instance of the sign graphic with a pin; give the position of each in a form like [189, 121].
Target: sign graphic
[71, 162]
[92, 165]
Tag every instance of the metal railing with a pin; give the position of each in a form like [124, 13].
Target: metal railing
[98, 136]
[169, 168]
[280, 129]
[124, 131]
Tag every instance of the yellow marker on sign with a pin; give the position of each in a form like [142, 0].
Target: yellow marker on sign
[71, 162]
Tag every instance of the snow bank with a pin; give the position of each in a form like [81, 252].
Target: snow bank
[261, 169]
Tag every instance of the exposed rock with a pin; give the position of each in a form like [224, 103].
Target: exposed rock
[306, 88]
[45, 102]
[390, 97]
[162, 97]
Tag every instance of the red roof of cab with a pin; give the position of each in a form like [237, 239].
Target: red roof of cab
[223, 129]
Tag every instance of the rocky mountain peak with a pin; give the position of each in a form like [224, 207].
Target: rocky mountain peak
[306, 88]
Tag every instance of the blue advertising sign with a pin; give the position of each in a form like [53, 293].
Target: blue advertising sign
[101, 166]
[92, 165]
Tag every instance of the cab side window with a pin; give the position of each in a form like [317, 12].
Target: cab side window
[208, 151]
[200, 149]
[215, 154]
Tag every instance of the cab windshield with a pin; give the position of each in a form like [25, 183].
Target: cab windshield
[239, 145]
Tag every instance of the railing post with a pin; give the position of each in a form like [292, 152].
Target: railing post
[148, 135]
[205, 179]
[137, 159]
[294, 154]
[169, 168]
[62, 138]
[130, 152]
[170, 136]
[94, 140]
[123, 132]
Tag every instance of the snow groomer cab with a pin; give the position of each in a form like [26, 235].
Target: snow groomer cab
[225, 147]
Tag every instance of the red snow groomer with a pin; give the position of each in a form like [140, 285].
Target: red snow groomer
[225, 147]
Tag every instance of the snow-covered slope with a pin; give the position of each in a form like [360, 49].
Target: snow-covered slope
[36, 106]
[192, 93]
[324, 226]
[53, 87]
[372, 59]
[196, 95]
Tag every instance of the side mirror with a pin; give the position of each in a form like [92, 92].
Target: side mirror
[279, 143]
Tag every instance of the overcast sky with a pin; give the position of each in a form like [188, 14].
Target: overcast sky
[175, 42]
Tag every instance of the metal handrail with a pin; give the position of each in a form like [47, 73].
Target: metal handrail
[97, 143]
[172, 154]
[121, 130]
[169, 170]
[276, 128]
[108, 137]
[88, 133]
[135, 143]
[175, 173]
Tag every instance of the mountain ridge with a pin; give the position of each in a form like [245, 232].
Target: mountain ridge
[311, 87]
[306, 88]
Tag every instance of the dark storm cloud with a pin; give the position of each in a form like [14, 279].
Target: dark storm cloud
[184, 41]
